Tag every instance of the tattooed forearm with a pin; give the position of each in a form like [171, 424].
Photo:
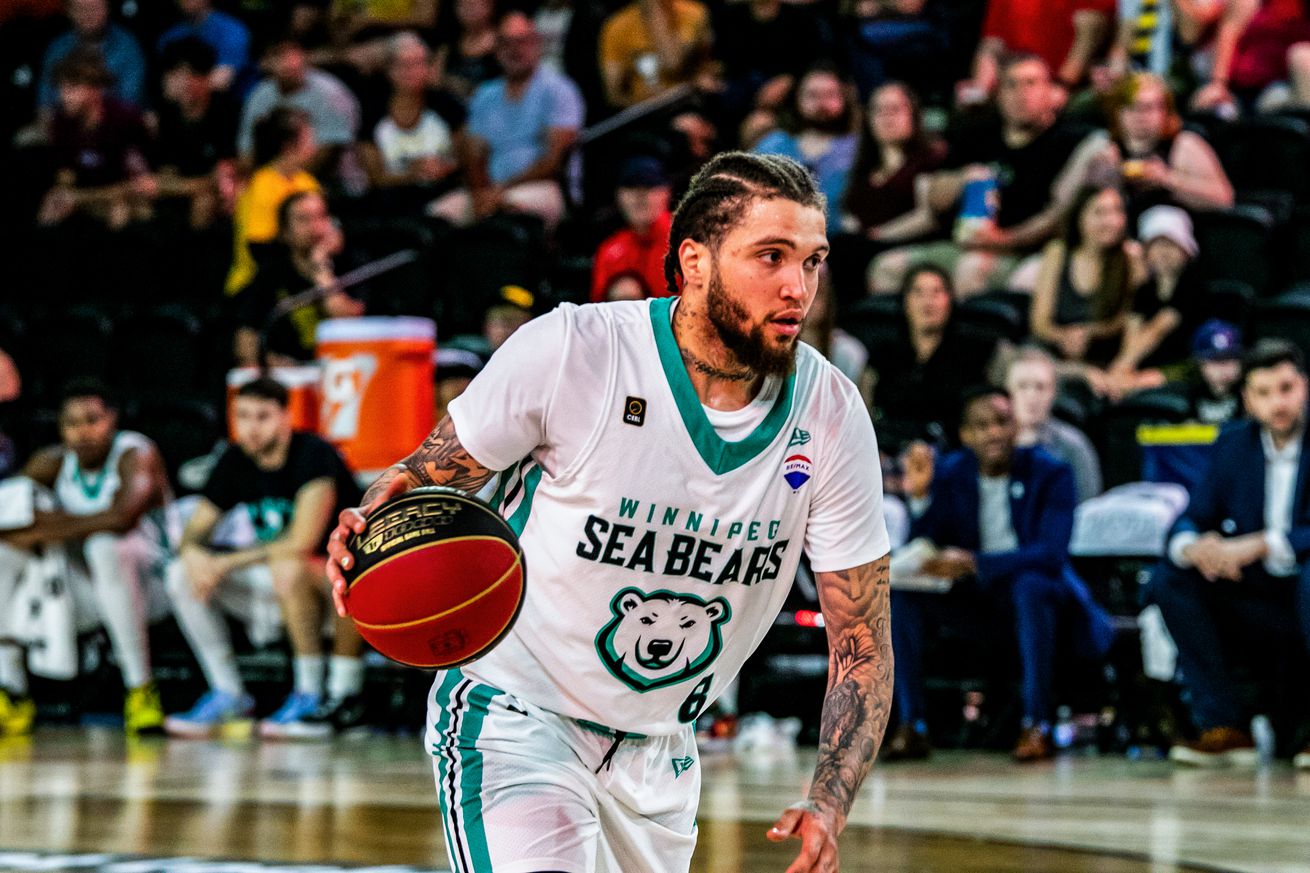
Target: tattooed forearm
[856, 610]
[441, 460]
[381, 483]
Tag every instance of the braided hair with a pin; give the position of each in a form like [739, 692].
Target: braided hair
[721, 192]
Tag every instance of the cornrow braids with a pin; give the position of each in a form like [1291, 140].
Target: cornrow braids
[721, 192]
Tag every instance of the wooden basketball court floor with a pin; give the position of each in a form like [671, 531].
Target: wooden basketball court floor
[81, 799]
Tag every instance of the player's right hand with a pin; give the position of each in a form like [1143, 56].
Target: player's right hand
[350, 522]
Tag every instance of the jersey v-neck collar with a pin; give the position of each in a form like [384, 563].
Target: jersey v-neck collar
[718, 454]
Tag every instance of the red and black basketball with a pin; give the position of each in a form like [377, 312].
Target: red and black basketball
[437, 578]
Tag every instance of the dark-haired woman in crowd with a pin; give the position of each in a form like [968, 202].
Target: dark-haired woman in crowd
[466, 47]
[918, 379]
[1158, 161]
[894, 153]
[1085, 290]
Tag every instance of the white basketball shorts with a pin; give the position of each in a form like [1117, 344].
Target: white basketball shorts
[524, 790]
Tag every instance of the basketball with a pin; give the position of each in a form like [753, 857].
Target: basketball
[437, 578]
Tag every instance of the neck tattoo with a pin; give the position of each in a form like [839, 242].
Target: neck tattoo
[714, 372]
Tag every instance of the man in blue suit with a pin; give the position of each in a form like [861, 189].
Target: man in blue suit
[1001, 517]
[1237, 564]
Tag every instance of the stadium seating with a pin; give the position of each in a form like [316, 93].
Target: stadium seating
[161, 350]
[1237, 244]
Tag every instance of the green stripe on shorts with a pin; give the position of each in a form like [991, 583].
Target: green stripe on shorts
[470, 758]
[443, 692]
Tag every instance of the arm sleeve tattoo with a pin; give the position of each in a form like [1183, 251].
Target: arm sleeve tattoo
[440, 460]
[857, 614]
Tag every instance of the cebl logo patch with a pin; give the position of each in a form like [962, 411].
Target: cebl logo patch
[796, 470]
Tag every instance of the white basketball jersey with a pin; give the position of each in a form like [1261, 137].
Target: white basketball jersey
[85, 493]
[658, 554]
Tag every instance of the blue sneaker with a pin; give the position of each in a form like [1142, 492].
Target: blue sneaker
[294, 720]
[214, 711]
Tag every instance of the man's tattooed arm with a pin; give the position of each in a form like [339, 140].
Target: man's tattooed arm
[440, 460]
[857, 614]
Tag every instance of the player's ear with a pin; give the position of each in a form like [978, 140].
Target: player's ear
[694, 259]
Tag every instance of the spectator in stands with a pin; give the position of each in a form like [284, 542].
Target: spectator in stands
[1235, 558]
[764, 46]
[332, 109]
[112, 494]
[639, 247]
[628, 285]
[1240, 48]
[894, 154]
[467, 55]
[1031, 379]
[410, 142]
[1085, 291]
[1023, 172]
[346, 34]
[820, 130]
[1171, 305]
[1213, 389]
[1001, 517]
[511, 311]
[455, 369]
[98, 146]
[196, 151]
[92, 29]
[308, 241]
[1158, 161]
[1143, 42]
[294, 485]
[896, 39]
[918, 379]
[521, 128]
[1065, 34]
[846, 353]
[650, 46]
[284, 149]
[225, 34]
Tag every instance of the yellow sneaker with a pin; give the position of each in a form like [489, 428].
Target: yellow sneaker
[142, 712]
[16, 715]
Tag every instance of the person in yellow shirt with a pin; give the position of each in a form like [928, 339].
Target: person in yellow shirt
[284, 147]
[650, 46]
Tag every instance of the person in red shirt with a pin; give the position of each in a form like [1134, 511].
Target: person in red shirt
[643, 199]
[1064, 33]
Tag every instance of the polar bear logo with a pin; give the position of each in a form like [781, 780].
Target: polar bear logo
[661, 638]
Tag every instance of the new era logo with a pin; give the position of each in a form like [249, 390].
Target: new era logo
[682, 765]
[634, 411]
[798, 437]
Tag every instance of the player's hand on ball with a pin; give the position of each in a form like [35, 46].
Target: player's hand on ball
[350, 522]
[816, 828]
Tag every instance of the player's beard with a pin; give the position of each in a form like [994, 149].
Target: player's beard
[749, 346]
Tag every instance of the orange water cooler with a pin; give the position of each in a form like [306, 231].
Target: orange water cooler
[376, 387]
[302, 394]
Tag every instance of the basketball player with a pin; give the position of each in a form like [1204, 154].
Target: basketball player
[665, 463]
[293, 485]
[111, 488]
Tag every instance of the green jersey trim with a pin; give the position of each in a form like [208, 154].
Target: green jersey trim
[719, 455]
[519, 519]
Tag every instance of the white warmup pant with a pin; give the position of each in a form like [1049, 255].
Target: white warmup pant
[248, 595]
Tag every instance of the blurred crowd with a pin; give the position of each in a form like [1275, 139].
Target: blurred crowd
[1093, 208]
